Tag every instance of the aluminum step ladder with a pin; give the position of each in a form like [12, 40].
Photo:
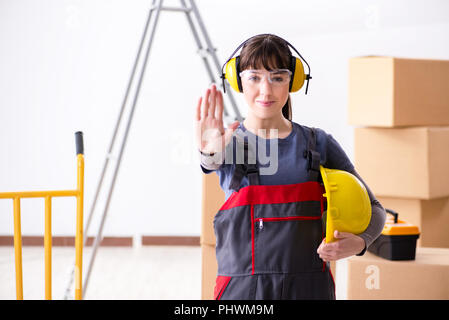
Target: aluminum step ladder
[118, 140]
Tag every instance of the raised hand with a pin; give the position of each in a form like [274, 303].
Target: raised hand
[212, 137]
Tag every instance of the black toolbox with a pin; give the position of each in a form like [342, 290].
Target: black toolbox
[397, 240]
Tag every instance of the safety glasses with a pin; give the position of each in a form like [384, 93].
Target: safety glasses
[279, 77]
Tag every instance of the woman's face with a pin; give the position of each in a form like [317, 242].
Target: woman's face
[265, 92]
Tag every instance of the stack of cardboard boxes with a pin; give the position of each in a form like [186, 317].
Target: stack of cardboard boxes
[401, 110]
[213, 198]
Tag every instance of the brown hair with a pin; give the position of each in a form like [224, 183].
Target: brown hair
[270, 52]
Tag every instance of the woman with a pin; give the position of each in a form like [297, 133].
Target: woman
[269, 231]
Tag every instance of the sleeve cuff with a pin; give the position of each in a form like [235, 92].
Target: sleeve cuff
[361, 253]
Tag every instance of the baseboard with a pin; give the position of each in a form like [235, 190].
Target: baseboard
[63, 241]
[170, 241]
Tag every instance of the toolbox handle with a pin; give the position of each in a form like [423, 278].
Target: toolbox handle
[394, 213]
[79, 142]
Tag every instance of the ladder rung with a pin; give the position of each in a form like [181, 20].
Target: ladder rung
[206, 52]
[172, 9]
[110, 156]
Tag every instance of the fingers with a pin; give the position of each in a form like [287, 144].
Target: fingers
[230, 130]
[219, 110]
[327, 251]
[212, 102]
[342, 235]
[205, 107]
[327, 256]
[234, 125]
[322, 247]
[347, 245]
[219, 115]
[198, 109]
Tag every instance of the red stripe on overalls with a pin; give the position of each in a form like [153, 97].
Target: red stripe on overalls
[263, 194]
[322, 234]
[252, 239]
[220, 286]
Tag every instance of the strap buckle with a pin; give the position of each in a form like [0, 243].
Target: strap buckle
[251, 170]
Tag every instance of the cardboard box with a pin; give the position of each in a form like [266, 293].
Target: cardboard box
[404, 162]
[431, 217]
[426, 277]
[209, 271]
[213, 199]
[391, 92]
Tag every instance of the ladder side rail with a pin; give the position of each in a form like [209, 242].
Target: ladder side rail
[111, 188]
[109, 153]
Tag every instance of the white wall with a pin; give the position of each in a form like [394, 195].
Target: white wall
[64, 67]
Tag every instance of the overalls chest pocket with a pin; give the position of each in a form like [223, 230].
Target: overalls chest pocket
[287, 236]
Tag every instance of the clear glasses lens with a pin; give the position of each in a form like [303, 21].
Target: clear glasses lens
[278, 77]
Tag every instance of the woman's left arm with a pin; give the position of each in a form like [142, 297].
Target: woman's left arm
[350, 244]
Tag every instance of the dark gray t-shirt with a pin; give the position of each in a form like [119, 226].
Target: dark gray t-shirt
[291, 163]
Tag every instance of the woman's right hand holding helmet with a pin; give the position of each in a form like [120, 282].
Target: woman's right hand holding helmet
[212, 137]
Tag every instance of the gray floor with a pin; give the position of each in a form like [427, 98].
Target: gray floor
[149, 272]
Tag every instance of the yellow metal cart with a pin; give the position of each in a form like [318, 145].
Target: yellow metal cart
[47, 195]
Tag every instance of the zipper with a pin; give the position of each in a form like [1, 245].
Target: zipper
[288, 218]
[261, 220]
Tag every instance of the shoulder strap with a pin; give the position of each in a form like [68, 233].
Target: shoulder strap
[245, 169]
[313, 157]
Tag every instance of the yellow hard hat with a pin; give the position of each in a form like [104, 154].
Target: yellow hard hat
[348, 203]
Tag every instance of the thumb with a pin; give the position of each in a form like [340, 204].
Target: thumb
[234, 126]
[230, 130]
[341, 235]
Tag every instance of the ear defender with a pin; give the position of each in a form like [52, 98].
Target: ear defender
[232, 74]
[298, 75]
[232, 71]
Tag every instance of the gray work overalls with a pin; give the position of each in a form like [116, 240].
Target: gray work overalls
[268, 235]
